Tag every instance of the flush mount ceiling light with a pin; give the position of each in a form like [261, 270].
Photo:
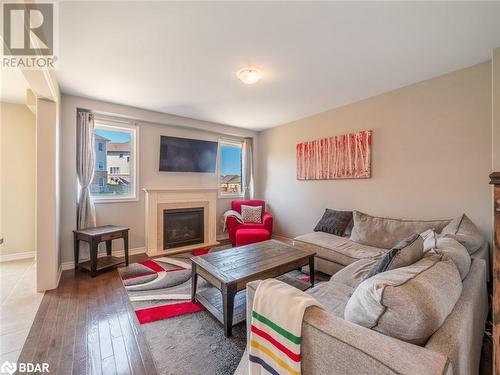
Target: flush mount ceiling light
[249, 75]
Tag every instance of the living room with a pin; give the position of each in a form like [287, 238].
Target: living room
[183, 170]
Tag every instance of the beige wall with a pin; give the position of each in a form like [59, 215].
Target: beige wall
[132, 214]
[496, 107]
[431, 155]
[17, 179]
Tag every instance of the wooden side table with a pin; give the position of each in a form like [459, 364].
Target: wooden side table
[94, 236]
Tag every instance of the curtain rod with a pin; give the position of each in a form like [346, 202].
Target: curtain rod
[103, 116]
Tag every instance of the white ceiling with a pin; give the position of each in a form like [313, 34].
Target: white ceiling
[13, 86]
[181, 58]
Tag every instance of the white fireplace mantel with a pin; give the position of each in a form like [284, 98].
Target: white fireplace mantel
[159, 199]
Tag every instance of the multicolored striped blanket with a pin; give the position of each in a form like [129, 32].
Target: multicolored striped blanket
[276, 325]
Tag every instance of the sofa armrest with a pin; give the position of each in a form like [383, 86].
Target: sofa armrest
[332, 345]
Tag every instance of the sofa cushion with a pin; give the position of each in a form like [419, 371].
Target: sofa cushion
[405, 253]
[336, 249]
[408, 303]
[251, 214]
[464, 231]
[334, 222]
[332, 296]
[454, 250]
[353, 274]
[385, 233]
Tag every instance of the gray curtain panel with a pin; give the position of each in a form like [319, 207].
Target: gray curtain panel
[248, 179]
[85, 165]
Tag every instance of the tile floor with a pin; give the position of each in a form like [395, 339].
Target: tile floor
[19, 303]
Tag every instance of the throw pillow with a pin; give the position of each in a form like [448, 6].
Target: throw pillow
[408, 303]
[354, 274]
[464, 231]
[385, 232]
[251, 214]
[430, 239]
[454, 250]
[405, 253]
[334, 222]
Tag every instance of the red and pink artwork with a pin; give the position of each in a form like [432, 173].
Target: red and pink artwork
[338, 157]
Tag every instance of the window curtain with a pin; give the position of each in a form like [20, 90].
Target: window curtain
[85, 165]
[248, 179]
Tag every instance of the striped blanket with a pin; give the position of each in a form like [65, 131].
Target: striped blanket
[276, 325]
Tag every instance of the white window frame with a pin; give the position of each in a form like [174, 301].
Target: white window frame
[233, 143]
[134, 153]
[100, 146]
[99, 168]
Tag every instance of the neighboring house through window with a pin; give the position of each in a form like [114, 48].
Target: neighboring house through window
[230, 169]
[116, 171]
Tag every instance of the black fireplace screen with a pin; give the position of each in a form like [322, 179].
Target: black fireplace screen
[183, 227]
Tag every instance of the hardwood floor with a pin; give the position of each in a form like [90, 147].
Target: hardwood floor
[86, 326]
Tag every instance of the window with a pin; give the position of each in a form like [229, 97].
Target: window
[230, 169]
[115, 179]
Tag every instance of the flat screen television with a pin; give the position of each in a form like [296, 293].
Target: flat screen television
[187, 155]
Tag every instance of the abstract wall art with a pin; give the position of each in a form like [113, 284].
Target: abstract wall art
[338, 157]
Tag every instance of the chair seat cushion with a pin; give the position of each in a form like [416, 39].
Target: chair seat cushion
[332, 296]
[248, 236]
[336, 249]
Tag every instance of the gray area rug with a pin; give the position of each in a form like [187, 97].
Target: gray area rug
[192, 343]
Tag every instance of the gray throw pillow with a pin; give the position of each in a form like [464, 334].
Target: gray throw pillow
[408, 303]
[464, 231]
[334, 222]
[251, 214]
[454, 250]
[405, 253]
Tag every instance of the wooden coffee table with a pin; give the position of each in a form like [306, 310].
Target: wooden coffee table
[230, 271]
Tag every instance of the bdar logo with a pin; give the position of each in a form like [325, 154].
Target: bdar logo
[28, 29]
[8, 368]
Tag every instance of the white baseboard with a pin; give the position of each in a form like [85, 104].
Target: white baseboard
[59, 273]
[17, 256]
[120, 253]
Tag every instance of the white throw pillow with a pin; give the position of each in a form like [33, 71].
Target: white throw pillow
[251, 214]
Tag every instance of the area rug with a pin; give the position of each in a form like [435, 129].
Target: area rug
[183, 337]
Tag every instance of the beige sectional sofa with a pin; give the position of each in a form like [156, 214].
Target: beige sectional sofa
[456, 301]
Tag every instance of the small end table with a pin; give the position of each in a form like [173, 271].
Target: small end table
[94, 236]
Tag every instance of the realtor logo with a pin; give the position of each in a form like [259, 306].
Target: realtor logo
[28, 29]
[28, 35]
[8, 368]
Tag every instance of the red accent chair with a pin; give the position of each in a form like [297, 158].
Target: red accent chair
[233, 225]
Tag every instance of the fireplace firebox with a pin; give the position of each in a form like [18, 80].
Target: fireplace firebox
[183, 227]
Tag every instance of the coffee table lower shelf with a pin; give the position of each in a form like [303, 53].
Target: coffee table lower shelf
[211, 299]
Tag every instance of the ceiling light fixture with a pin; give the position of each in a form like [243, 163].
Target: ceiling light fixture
[249, 75]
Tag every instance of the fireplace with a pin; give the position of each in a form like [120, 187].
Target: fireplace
[183, 227]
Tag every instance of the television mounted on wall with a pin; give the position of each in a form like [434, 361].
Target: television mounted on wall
[187, 155]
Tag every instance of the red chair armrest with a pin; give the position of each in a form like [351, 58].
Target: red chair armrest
[232, 225]
[267, 220]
